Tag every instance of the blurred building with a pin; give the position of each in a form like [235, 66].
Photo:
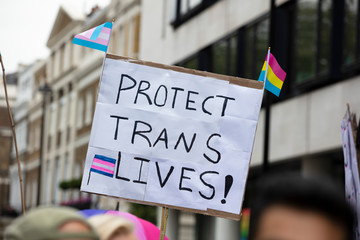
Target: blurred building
[20, 114]
[317, 44]
[73, 72]
[6, 141]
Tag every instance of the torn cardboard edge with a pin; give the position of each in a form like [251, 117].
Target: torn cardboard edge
[233, 80]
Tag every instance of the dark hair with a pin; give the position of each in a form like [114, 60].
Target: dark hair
[309, 194]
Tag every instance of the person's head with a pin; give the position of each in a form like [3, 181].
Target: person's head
[295, 208]
[44, 223]
[113, 227]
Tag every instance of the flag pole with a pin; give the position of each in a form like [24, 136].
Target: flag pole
[14, 135]
[267, 65]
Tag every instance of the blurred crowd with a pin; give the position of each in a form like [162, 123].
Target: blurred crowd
[286, 208]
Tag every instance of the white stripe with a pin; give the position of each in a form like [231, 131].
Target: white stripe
[104, 166]
[105, 36]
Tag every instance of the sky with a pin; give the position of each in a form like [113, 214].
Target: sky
[25, 26]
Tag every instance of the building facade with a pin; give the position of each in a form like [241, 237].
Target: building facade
[317, 44]
[21, 120]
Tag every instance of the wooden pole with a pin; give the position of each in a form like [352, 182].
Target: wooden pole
[14, 135]
[164, 217]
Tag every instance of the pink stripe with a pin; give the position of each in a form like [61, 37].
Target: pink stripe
[102, 169]
[98, 40]
[88, 33]
[276, 68]
[106, 30]
[104, 162]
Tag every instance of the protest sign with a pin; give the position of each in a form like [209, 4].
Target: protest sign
[170, 136]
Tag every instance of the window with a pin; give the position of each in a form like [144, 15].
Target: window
[34, 193]
[130, 38]
[136, 35]
[46, 182]
[188, 5]
[62, 59]
[71, 52]
[89, 106]
[77, 174]
[53, 118]
[28, 193]
[219, 57]
[52, 64]
[67, 175]
[312, 39]
[256, 47]
[121, 41]
[80, 113]
[56, 180]
[192, 63]
[63, 115]
[224, 56]
[351, 26]
[37, 136]
[186, 9]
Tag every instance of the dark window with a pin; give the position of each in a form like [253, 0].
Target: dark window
[70, 86]
[68, 132]
[49, 143]
[187, 9]
[351, 26]
[192, 62]
[219, 62]
[224, 56]
[256, 46]
[58, 139]
[61, 93]
[313, 32]
[188, 5]
[325, 33]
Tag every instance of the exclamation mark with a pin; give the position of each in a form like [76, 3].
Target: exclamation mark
[228, 183]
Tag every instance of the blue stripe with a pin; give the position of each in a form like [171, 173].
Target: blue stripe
[101, 172]
[261, 77]
[108, 24]
[88, 44]
[268, 85]
[97, 31]
[104, 158]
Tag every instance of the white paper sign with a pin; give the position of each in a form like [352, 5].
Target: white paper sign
[167, 137]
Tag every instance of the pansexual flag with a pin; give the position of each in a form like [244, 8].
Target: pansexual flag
[96, 38]
[103, 165]
[275, 75]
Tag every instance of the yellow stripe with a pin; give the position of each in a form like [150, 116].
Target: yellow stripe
[272, 77]
[264, 67]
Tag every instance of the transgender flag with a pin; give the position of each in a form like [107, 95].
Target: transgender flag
[103, 165]
[96, 38]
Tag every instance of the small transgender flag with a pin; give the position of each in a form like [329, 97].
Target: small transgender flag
[103, 165]
[96, 38]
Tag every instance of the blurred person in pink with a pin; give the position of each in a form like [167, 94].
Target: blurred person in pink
[144, 230]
